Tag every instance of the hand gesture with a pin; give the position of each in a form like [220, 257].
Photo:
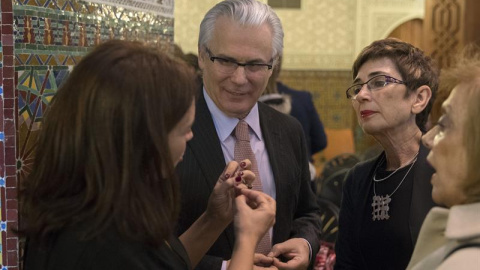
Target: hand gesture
[234, 178]
[295, 250]
[254, 215]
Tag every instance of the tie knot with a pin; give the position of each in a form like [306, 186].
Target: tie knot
[241, 131]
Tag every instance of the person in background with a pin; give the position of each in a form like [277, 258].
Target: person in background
[450, 236]
[239, 43]
[103, 192]
[303, 110]
[298, 104]
[386, 199]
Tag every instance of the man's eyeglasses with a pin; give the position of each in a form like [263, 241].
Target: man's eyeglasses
[228, 66]
[374, 83]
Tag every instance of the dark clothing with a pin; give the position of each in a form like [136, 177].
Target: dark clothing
[304, 111]
[366, 244]
[378, 236]
[107, 251]
[297, 211]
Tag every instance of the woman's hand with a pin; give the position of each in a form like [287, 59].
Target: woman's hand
[234, 178]
[254, 215]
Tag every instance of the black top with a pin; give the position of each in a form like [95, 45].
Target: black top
[108, 251]
[382, 244]
[386, 243]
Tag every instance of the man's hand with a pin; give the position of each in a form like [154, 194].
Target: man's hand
[295, 250]
[261, 261]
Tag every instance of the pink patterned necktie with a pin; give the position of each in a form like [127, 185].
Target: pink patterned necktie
[243, 150]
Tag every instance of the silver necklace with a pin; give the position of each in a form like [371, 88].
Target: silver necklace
[392, 173]
[380, 204]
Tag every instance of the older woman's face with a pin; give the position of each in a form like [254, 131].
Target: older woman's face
[448, 152]
[384, 109]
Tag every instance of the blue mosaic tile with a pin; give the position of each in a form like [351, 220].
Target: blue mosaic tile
[4, 268]
[3, 226]
[2, 136]
[2, 182]
[1, 88]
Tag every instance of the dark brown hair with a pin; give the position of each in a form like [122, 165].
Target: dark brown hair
[413, 65]
[103, 155]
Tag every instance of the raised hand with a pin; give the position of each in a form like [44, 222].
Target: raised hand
[234, 178]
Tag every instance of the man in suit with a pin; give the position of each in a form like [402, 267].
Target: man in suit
[239, 42]
[304, 111]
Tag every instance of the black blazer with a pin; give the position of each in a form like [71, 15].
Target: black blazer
[355, 198]
[203, 162]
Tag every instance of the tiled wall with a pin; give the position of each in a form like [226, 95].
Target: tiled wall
[41, 41]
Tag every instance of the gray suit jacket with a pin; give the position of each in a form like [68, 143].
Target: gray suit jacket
[203, 162]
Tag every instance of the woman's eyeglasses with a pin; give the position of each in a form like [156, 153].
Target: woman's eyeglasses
[374, 83]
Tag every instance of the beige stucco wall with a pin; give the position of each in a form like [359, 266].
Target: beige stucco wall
[322, 35]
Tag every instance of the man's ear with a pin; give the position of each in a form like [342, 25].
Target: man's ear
[201, 55]
[423, 94]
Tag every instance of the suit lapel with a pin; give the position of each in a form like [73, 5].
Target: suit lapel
[205, 144]
[207, 150]
[271, 132]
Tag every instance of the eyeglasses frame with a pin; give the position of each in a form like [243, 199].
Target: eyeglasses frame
[388, 80]
[244, 65]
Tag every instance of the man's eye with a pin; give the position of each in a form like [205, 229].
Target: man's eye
[226, 62]
[255, 67]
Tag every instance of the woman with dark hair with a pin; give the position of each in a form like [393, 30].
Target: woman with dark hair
[103, 192]
[385, 199]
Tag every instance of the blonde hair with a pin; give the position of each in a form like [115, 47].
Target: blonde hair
[467, 73]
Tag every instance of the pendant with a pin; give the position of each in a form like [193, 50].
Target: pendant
[380, 207]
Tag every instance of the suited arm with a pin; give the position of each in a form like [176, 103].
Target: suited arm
[317, 132]
[307, 222]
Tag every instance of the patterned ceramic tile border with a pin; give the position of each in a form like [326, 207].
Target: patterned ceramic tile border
[39, 28]
[163, 8]
[8, 179]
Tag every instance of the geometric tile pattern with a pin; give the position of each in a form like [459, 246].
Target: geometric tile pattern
[36, 89]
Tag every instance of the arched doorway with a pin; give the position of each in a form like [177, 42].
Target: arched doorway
[410, 31]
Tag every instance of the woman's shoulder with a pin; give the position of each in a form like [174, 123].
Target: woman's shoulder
[106, 251]
[363, 168]
[463, 259]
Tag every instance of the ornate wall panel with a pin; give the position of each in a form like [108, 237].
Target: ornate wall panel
[320, 35]
[449, 26]
[41, 41]
[377, 18]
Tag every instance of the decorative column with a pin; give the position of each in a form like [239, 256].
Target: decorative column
[8, 179]
[450, 25]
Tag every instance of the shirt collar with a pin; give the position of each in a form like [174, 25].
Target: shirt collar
[226, 124]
